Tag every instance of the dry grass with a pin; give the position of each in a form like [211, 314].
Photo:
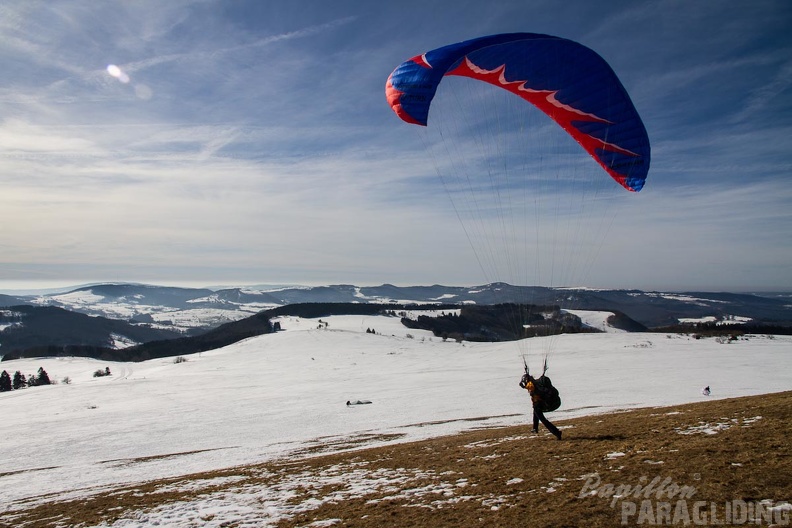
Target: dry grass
[495, 477]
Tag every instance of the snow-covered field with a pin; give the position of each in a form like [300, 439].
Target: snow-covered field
[272, 395]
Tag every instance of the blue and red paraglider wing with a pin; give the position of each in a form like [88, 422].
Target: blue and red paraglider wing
[567, 81]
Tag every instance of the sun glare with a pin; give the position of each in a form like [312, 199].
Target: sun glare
[118, 73]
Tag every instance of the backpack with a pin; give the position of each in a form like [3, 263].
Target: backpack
[549, 399]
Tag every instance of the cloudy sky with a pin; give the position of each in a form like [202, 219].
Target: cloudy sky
[249, 142]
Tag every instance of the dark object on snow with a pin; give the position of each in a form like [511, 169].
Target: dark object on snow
[357, 402]
[705, 391]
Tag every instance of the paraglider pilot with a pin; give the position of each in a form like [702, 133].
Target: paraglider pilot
[540, 396]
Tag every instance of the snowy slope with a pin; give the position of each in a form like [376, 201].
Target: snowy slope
[271, 395]
[598, 320]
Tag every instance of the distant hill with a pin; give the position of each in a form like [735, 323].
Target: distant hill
[72, 334]
[51, 331]
[9, 300]
[190, 309]
[500, 322]
[138, 321]
[233, 332]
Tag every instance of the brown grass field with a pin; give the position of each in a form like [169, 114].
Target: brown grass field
[719, 462]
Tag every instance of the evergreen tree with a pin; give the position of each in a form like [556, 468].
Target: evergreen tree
[5, 382]
[19, 381]
[43, 377]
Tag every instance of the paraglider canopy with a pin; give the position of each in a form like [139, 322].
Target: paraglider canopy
[569, 82]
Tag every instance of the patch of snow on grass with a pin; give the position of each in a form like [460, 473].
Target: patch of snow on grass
[705, 428]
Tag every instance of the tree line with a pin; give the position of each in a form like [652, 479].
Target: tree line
[20, 381]
[499, 322]
[221, 336]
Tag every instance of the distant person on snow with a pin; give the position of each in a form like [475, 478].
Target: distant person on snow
[545, 398]
[705, 391]
[358, 402]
